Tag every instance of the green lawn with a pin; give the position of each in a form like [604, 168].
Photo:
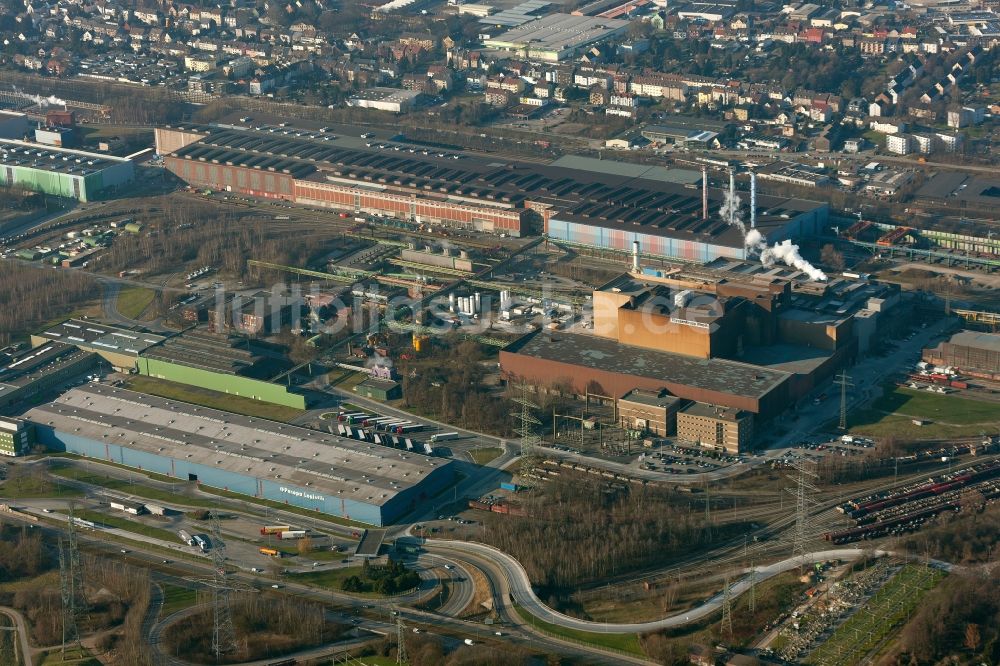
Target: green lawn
[628, 643]
[212, 399]
[122, 523]
[29, 489]
[948, 415]
[176, 598]
[331, 579]
[486, 455]
[133, 301]
[879, 617]
[152, 475]
[122, 486]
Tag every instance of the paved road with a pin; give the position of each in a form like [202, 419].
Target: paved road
[515, 579]
[27, 655]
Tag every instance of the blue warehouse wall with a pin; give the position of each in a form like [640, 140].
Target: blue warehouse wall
[271, 489]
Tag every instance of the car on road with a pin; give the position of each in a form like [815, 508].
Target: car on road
[276, 586]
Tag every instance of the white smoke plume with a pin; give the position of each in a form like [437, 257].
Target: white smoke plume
[756, 244]
[51, 100]
[731, 213]
[786, 252]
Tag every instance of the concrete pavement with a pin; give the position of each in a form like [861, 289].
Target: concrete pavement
[522, 593]
[21, 629]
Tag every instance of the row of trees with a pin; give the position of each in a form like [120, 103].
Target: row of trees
[391, 578]
[31, 296]
[196, 233]
[579, 531]
[447, 383]
[266, 627]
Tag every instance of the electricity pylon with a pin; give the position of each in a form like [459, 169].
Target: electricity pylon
[526, 426]
[401, 657]
[71, 584]
[222, 585]
[726, 628]
[844, 381]
[803, 487]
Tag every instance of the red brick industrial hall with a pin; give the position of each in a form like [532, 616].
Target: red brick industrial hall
[708, 353]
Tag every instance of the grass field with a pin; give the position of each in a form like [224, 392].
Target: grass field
[133, 301]
[346, 379]
[628, 643]
[331, 579]
[212, 399]
[152, 475]
[876, 620]
[176, 598]
[484, 456]
[29, 489]
[948, 415]
[122, 486]
[122, 523]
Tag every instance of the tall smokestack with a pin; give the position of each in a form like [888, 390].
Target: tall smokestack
[704, 193]
[753, 200]
[635, 256]
[732, 196]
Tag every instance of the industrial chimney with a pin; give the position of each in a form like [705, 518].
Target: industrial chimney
[753, 200]
[704, 193]
[732, 197]
[635, 257]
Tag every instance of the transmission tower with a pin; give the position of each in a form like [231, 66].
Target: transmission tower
[222, 585]
[401, 657]
[802, 492]
[528, 423]
[844, 381]
[71, 584]
[726, 628]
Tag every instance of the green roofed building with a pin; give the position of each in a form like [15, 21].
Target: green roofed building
[74, 174]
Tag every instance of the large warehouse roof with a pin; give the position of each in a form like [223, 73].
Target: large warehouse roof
[615, 198]
[558, 32]
[238, 444]
[99, 337]
[51, 158]
[590, 351]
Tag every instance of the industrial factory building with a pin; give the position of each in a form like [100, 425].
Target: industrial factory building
[971, 353]
[580, 362]
[118, 346]
[250, 456]
[708, 352]
[317, 169]
[556, 37]
[572, 201]
[27, 373]
[62, 172]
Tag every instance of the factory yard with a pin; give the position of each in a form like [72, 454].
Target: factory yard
[893, 414]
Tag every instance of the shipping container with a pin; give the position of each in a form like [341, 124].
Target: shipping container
[292, 534]
[959, 384]
[508, 486]
[428, 449]
[185, 537]
[409, 444]
[274, 529]
[409, 427]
